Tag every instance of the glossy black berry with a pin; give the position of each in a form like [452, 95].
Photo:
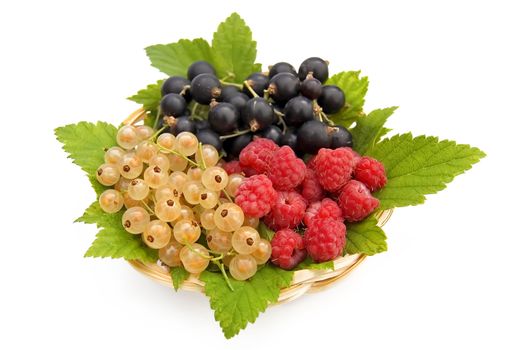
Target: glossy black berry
[228, 91]
[311, 88]
[312, 136]
[174, 85]
[209, 137]
[239, 100]
[316, 65]
[258, 114]
[234, 145]
[258, 82]
[173, 105]
[204, 88]
[298, 110]
[289, 138]
[281, 67]
[182, 124]
[332, 99]
[341, 137]
[283, 87]
[272, 133]
[223, 118]
[201, 124]
[200, 67]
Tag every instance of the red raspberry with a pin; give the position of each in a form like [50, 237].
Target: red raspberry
[232, 167]
[334, 167]
[325, 239]
[287, 212]
[311, 189]
[256, 155]
[311, 162]
[326, 209]
[256, 196]
[356, 201]
[371, 173]
[288, 249]
[286, 171]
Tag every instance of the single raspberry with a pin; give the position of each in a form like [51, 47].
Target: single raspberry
[311, 189]
[232, 167]
[287, 212]
[288, 249]
[325, 209]
[325, 239]
[371, 173]
[256, 196]
[334, 167]
[286, 171]
[256, 155]
[356, 201]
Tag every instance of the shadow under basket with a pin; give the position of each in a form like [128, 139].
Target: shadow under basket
[303, 281]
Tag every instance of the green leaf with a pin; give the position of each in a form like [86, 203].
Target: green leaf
[95, 215]
[355, 89]
[179, 275]
[175, 58]
[418, 166]
[234, 49]
[234, 309]
[311, 265]
[368, 129]
[265, 232]
[149, 97]
[365, 237]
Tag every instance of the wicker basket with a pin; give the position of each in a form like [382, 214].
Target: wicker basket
[303, 281]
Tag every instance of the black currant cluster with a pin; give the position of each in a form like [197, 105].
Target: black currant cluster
[287, 106]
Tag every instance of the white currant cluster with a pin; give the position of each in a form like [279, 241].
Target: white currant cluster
[174, 190]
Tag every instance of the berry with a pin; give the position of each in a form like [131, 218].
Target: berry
[155, 177]
[229, 217]
[371, 173]
[281, 67]
[144, 132]
[157, 234]
[258, 113]
[168, 209]
[108, 174]
[169, 254]
[324, 209]
[283, 87]
[210, 137]
[262, 252]
[223, 118]
[232, 167]
[215, 178]
[256, 196]
[242, 267]
[111, 201]
[298, 110]
[208, 199]
[234, 181]
[196, 259]
[114, 155]
[245, 239]
[130, 166]
[311, 189]
[289, 138]
[219, 241]
[192, 191]
[341, 137]
[287, 212]
[138, 189]
[200, 67]
[356, 201]
[175, 85]
[204, 88]
[332, 99]
[272, 133]
[135, 220]
[208, 155]
[186, 231]
[325, 239]
[286, 171]
[227, 92]
[257, 154]
[160, 160]
[312, 136]
[186, 143]
[127, 137]
[234, 145]
[201, 124]
[288, 249]
[182, 124]
[173, 105]
[258, 82]
[206, 218]
[145, 151]
[315, 65]
[334, 167]
[166, 142]
[239, 100]
[311, 88]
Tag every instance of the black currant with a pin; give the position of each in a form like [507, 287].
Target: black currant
[332, 99]
[223, 118]
[201, 124]
[174, 85]
[182, 124]
[312, 136]
[341, 137]
[318, 67]
[289, 138]
[298, 110]
[234, 145]
[209, 137]
[311, 88]
[200, 67]
[283, 87]
[228, 91]
[258, 82]
[204, 88]
[281, 67]
[239, 100]
[258, 113]
[272, 133]
[173, 105]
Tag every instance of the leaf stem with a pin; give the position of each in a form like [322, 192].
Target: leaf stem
[225, 276]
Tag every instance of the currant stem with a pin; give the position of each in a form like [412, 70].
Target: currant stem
[148, 207]
[240, 86]
[194, 108]
[200, 150]
[242, 132]
[227, 196]
[281, 121]
[247, 85]
[324, 116]
[178, 154]
[223, 272]
[157, 117]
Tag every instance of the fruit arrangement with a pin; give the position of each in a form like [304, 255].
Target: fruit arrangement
[238, 177]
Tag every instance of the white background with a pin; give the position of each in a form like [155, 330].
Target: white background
[454, 275]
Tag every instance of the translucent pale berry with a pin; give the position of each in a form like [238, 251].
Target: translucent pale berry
[129, 202]
[135, 220]
[195, 258]
[166, 143]
[207, 219]
[215, 178]
[122, 185]
[262, 252]
[176, 180]
[242, 267]
[186, 143]
[127, 137]
[186, 231]
[168, 209]
[234, 181]
[160, 160]
[208, 199]
[155, 177]
[108, 174]
[219, 241]
[146, 150]
[169, 254]
[192, 192]
[138, 189]
[177, 163]
[208, 154]
[111, 201]
[114, 155]
[251, 221]
[157, 234]
[245, 240]
[144, 132]
[186, 213]
[130, 166]
[166, 192]
[229, 217]
[194, 174]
